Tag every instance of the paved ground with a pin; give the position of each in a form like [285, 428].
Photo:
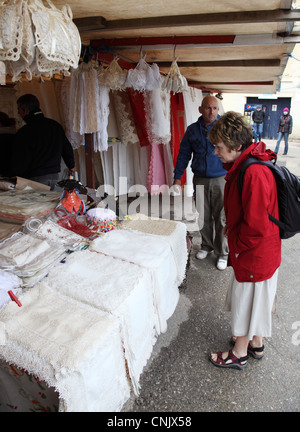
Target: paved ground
[179, 377]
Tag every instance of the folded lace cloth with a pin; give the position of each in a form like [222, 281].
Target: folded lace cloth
[8, 282]
[154, 253]
[118, 287]
[29, 257]
[73, 347]
[173, 232]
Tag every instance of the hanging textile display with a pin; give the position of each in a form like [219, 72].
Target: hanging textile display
[143, 76]
[178, 126]
[174, 81]
[89, 105]
[124, 116]
[160, 112]
[37, 39]
[192, 99]
[142, 121]
[67, 89]
[113, 77]
[86, 99]
[101, 136]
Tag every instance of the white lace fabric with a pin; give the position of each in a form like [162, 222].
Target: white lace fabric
[37, 39]
[97, 313]
[174, 81]
[94, 279]
[143, 76]
[164, 256]
[112, 77]
[73, 347]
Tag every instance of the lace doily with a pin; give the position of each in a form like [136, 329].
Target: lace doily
[113, 77]
[11, 30]
[74, 348]
[36, 39]
[95, 279]
[174, 81]
[143, 76]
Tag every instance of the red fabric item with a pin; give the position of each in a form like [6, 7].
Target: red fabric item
[254, 241]
[137, 103]
[177, 127]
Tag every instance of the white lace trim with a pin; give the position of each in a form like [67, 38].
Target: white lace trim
[143, 76]
[36, 39]
[94, 279]
[174, 81]
[53, 337]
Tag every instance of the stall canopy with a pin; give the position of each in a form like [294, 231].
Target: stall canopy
[229, 46]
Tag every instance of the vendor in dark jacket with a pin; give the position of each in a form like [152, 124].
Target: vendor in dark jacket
[258, 118]
[39, 145]
[209, 173]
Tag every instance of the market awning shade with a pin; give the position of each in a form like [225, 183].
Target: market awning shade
[222, 46]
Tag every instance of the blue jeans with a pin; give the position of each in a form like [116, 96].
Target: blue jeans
[281, 135]
[257, 131]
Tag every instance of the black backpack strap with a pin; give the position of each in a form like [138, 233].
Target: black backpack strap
[246, 164]
[250, 161]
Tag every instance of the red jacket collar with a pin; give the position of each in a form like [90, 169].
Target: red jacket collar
[258, 150]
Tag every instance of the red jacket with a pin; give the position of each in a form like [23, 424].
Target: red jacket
[254, 241]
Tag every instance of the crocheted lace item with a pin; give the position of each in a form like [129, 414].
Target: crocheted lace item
[11, 30]
[143, 76]
[124, 117]
[65, 95]
[117, 287]
[29, 258]
[8, 282]
[113, 77]
[36, 39]
[86, 99]
[57, 37]
[74, 348]
[20, 249]
[173, 232]
[155, 254]
[174, 81]
[54, 233]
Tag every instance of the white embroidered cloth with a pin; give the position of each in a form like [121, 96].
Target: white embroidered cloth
[8, 282]
[154, 253]
[29, 257]
[73, 347]
[118, 287]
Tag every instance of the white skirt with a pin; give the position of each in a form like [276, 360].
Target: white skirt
[251, 305]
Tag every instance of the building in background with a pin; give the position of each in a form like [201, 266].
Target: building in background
[288, 95]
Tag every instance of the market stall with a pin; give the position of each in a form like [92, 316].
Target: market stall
[84, 312]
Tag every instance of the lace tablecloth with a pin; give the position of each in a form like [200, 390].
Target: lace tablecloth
[88, 328]
[72, 347]
[117, 287]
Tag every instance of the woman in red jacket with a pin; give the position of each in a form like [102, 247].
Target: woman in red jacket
[254, 241]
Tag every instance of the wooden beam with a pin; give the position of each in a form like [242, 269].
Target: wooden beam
[90, 23]
[225, 63]
[165, 40]
[245, 17]
[243, 83]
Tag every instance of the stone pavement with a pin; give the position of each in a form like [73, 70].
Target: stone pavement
[179, 378]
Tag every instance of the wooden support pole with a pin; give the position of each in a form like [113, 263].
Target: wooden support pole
[89, 161]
